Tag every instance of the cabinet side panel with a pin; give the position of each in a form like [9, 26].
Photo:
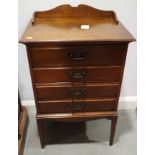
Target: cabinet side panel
[122, 73]
[32, 77]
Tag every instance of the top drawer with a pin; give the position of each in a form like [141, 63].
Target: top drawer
[108, 55]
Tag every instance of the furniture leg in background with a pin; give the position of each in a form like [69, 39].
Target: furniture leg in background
[23, 122]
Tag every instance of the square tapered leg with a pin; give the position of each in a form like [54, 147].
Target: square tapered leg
[40, 124]
[113, 128]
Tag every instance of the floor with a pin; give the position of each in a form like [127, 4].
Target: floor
[91, 138]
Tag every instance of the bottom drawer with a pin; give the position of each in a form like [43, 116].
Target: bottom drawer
[67, 106]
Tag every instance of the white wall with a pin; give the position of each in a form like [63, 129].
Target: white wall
[126, 12]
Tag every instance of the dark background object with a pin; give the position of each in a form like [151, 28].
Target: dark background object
[23, 121]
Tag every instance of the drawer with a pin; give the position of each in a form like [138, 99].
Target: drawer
[68, 74]
[77, 56]
[77, 91]
[67, 106]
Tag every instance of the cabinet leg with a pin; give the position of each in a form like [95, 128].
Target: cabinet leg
[113, 128]
[40, 124]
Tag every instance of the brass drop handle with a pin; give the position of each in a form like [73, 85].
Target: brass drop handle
[78, 55]
[77, 75]
[75, 106]
[77, 92]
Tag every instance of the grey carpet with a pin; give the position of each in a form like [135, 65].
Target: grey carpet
[91, 138]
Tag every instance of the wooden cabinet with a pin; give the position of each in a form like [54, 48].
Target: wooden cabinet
[76, 57]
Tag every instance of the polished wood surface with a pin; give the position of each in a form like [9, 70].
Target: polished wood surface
[59, 25]
[78, 55]
[76, 73]
[80, 74]
[77, 116]
[81, 11]
[77, 105]
[47, 92]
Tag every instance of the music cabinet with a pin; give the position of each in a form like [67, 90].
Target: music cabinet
[76, 58]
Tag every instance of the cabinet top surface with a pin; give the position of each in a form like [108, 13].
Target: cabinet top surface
[75, 24]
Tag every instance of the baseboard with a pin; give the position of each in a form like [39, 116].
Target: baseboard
[125, 103]
[28, 103]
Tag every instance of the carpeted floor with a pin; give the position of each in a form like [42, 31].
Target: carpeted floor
[91, 138]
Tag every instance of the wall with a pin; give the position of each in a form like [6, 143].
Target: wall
[126, 12]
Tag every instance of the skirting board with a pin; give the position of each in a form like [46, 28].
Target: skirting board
[125, 103]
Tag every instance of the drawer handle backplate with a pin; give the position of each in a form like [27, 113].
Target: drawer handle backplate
[77, 92]
[77, 75]
[78, 55]
[79, 106]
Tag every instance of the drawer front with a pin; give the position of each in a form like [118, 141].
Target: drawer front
[89, 74]
[83, 91]
[67, 106]
[76, 56]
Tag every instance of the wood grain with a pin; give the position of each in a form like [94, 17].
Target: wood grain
[59, 92]
[77, 117]
[91, 74]
[65, 106]
[76, 74]
[104, 55]
[61, 25]
[81, 11]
